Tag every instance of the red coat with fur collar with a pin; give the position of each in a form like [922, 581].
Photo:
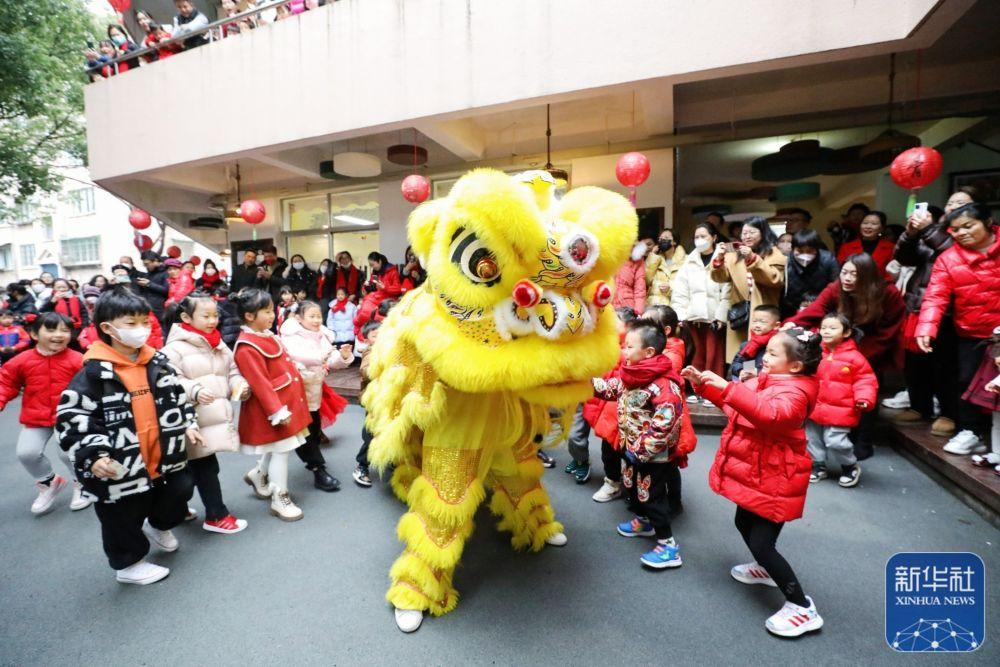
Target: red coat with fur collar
[275, 384]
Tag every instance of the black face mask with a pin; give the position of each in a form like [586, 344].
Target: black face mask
[664, 245]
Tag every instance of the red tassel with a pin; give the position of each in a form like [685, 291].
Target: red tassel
[331, 406]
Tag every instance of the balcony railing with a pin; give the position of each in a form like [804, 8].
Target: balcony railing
[213, 29]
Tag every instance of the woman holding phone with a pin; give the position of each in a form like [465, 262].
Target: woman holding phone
[755, 270]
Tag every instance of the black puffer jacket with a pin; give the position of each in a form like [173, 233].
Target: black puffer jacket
[94, 419]
[919, 249]
[801, 280]
[229, 323]
[304, 279]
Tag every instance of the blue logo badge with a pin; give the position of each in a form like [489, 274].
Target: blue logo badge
[935, 602]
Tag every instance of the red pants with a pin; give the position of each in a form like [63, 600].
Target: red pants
[709, 347]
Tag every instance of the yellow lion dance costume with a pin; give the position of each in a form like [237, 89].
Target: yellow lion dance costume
[510, 323]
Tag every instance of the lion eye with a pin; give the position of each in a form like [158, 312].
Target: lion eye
[473, 258]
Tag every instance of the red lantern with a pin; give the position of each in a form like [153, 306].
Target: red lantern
[143, 242]
[916, 167]
[252, 211]
[139, 219]
[174, 252]
[416, 188]
[120, 6]
[195, 259]
[632, 170]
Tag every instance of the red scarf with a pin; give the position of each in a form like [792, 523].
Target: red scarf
[70, 307]
[319, 285]
[756, 343]
[348, 282]
[339, 306]
[213, 338]
[647, 371]
[208, 282]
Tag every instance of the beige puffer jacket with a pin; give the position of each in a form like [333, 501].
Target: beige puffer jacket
[202, 368]
[315, 355]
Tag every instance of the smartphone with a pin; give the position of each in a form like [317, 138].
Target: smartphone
[736, 245]
[920, 208]
[120, 470]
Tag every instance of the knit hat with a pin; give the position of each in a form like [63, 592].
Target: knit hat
[173, 262]
[91, 291]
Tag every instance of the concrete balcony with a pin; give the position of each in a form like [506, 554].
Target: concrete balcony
[469, 80]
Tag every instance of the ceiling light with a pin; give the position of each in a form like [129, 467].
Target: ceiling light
[357, 165]
[353, 220]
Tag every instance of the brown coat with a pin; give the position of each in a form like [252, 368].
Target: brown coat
[768, 282]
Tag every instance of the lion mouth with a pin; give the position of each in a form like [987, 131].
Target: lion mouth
[554, 316]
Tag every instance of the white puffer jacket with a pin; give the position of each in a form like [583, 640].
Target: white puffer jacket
[202, 368]
[315, 355]
[695, 296]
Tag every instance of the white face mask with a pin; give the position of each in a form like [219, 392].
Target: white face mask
[135, 337]
[298, 266]
[702, 244]
[805, 259]
[38, 289]
[209, 272]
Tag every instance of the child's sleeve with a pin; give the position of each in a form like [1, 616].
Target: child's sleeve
[778, 413]
[865, 384]
[22, 340]
[609, 389]
[11, 382]
[80, 426]
[254, 370]
[191, 387]
[236, 378]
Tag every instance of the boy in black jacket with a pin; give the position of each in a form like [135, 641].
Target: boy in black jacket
[125, 420]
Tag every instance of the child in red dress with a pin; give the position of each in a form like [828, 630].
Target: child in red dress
[275, 419]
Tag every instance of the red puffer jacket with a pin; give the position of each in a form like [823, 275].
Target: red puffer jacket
[845, 378]
[43, 379]
[970, 280]
[762, 464]
[630, 286]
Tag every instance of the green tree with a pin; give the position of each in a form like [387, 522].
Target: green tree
[41, 91]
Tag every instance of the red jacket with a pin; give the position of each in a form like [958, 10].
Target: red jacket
[971, 281]
[882, 343]
[14, 336]
[43, 379]
[630, 286]
[179, 287]
[762, 464]
[275, 384]
[882, 254]
[89, 335]
[845, 378]
[72, 308]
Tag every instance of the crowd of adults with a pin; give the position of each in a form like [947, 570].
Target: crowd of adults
[923, 298]
[187, 21]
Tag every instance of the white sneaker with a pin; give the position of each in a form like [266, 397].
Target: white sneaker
[191, 515]
[752, 573]
[408, 620]
[142, 573]
[164, 539]
[283, 507]
[608, 491]
[707, 402]
[693, 398]
[47, 494]
[965, 443]
[556, 540]
[900, 401]
[793, 620]
[79, 502]
[258, 481]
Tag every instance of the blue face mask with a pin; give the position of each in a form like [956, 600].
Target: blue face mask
[118, 39]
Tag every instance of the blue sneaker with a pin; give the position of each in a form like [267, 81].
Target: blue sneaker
[582, 473]
[663, 556]
[572, 466]
[636, 528]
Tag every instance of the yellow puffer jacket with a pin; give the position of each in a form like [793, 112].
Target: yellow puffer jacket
[660, 272]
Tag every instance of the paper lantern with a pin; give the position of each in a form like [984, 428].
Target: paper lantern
[143, 242]
[416, 188]
[139, 219]
[357, 165]
[174, 252]
[916, 167]
[195, 259]
[252, 211]
[632, 169]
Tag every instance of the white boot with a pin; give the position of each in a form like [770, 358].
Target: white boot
[408, 620]
[283, 507]
[258, 481]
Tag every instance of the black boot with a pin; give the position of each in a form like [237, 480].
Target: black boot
[324, 481]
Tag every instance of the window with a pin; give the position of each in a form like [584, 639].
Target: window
[319, 226]
[5, 261]
[28, 254]
[26, 212]
[81, 202]
[306, 213]
[82, 251]
[46, 225]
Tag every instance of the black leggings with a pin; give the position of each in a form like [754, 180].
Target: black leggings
[308, 452]
[760, 535]
[612, 460]
[205, 473]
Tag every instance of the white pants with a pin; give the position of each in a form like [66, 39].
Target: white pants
[31, 452]
[275, 464]
[830, 444]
